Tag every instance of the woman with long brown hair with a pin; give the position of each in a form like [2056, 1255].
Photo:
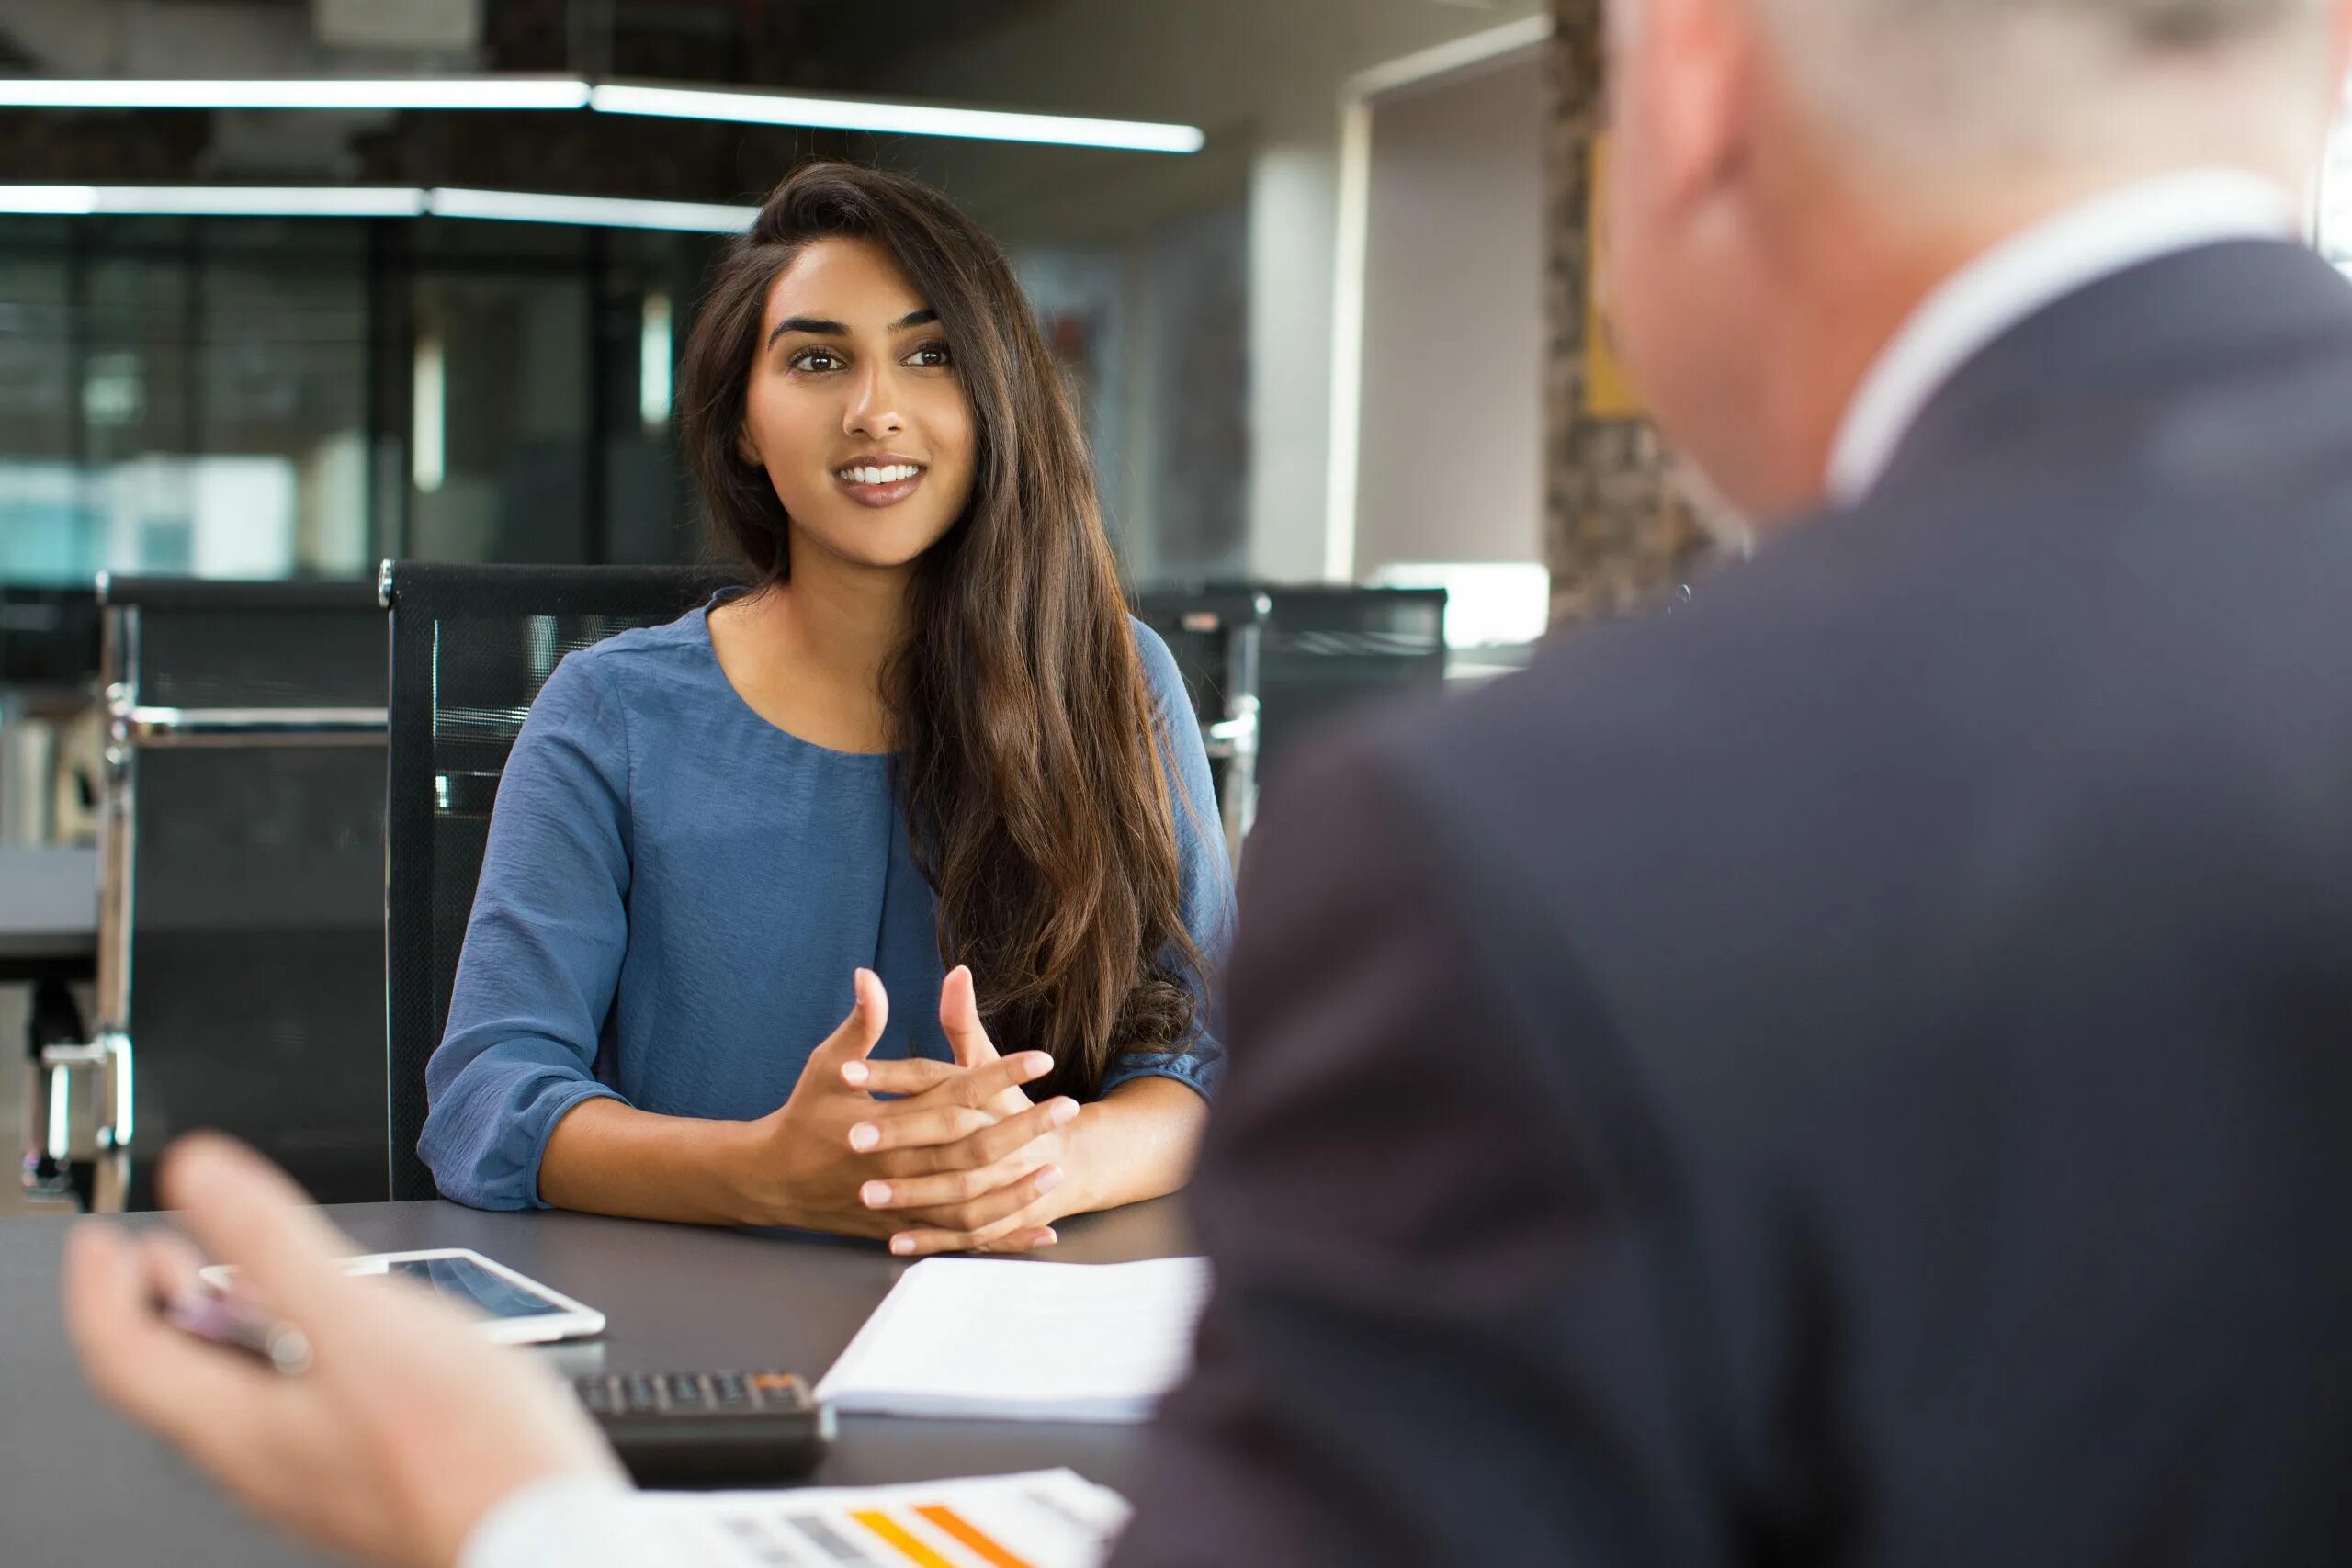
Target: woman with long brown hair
[927, 756]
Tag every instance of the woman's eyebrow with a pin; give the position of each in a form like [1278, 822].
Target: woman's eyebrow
[817, 326]
[810, 324]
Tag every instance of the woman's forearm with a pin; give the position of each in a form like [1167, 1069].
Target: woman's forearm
[605, 1157]
[1138, 1142]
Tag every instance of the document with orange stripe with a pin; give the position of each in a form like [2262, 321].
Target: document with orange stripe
[1047, 1519]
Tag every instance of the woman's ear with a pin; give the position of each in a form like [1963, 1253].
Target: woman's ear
[744, 450]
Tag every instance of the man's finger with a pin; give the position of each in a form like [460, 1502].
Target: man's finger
[173, 1264]
[959, 1020]
[247, 1212]
[209, 1401]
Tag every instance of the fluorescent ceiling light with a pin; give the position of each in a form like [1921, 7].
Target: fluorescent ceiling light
[235, 202]
[748, 106]
[893, 118]
[321, 92]
[48, 198]
[342, 201]
[594, 211]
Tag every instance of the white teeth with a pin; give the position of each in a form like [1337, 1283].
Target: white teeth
[898, 473]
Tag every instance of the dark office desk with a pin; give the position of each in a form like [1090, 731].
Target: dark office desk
[78, 1484]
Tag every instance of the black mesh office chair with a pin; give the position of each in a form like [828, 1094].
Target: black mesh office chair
[471, 646]
[49, 667]
[1217, 639]
[240, 908]
[1321, 650]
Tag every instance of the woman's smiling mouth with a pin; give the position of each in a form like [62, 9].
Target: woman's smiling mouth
[881, 483]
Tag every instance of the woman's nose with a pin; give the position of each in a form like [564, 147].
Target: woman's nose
[873, 411]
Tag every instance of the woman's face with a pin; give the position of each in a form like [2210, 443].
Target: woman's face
[855, 410]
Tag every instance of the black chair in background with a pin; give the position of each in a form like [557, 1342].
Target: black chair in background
[48, 676]
[1320, 651]
[241, 906]
[471, 646]
[1216, 642]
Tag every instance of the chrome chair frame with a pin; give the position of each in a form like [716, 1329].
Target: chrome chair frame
[106, 1061]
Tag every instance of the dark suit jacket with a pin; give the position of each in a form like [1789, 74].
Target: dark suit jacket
[1859, 1070]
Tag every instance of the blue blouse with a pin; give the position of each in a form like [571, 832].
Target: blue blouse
[674, 896]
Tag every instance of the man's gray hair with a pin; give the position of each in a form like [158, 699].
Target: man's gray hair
[1919, 84]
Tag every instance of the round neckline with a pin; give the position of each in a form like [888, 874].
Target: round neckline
[710, 650]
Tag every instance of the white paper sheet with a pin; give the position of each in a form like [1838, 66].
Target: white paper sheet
[1012, 1341]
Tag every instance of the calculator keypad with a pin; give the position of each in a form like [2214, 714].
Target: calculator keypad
[691, 1393]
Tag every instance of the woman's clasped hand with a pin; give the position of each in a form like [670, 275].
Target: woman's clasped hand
[937, 1157]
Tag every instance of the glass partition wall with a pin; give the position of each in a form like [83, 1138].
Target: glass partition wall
[263, 397]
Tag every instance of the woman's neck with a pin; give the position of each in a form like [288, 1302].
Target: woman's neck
[841, 623]
[808, 655]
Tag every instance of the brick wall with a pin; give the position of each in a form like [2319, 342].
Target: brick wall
[1619, 531]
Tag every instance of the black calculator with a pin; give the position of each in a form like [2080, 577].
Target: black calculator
[709, 1429]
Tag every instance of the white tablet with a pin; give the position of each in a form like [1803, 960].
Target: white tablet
[514, 1309]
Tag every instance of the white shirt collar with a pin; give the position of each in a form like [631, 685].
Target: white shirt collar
[2110, 233]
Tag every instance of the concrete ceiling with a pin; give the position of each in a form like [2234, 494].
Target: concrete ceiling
[825, 45]
[842, 45]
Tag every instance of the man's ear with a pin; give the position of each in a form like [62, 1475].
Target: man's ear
[1702, 58]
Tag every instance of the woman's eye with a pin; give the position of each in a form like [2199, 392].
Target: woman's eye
[932, 354]
[816, 359]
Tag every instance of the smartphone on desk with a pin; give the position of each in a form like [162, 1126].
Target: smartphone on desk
[510, 1308]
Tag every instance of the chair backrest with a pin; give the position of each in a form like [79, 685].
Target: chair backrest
[1215, 638]
[1322, 651]
[241, 942]
[1203, 628]
[471, 646]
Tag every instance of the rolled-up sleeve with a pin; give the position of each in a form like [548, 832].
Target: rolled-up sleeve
[543, 950]
[1207, 875]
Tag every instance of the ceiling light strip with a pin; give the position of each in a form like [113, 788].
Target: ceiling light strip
[344, 201]
[324, 93]
[893, 118]
[739, 106]
[237, 201]
[590, 211]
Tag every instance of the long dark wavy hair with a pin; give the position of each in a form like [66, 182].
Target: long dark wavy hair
[1028, 747]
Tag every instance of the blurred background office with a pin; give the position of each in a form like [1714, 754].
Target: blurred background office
[1318, 269]
[255, 393]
